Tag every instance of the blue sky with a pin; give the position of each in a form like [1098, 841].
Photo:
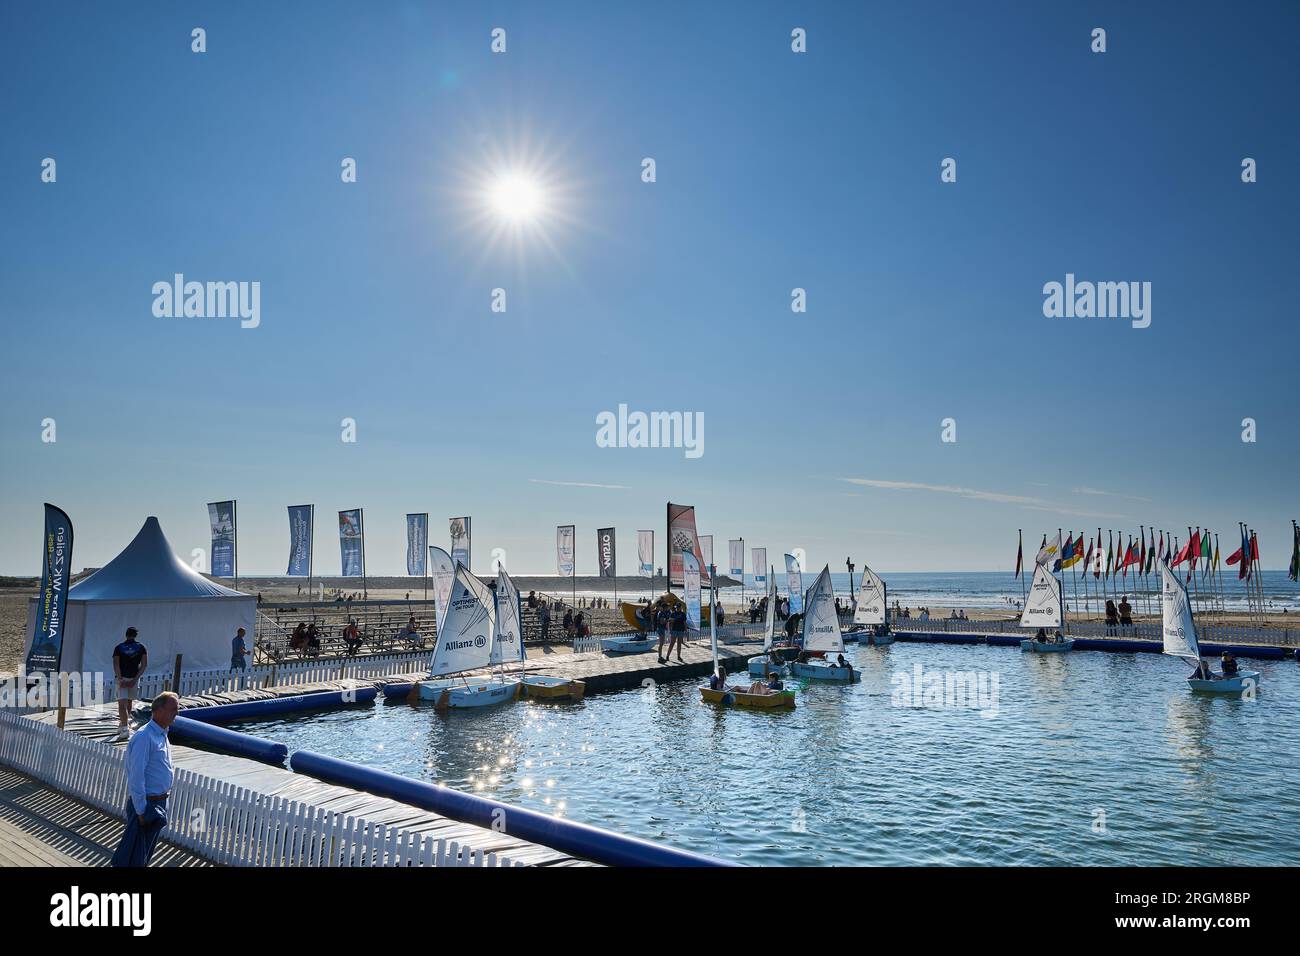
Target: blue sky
[775, 170]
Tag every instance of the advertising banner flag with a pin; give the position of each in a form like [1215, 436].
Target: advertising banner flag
[682, 536]
[352, 544]
[301, 519]
[706, 555]
[46, 651]
[645, 553]
[794, 583]
[760, 565]
[443, 572]
[691, 584]
[565, 562]
[736, 558]
[605, 555]
[460, 541]
[417, 545]
[221, 520]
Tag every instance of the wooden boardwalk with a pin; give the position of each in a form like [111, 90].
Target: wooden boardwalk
[41, 827]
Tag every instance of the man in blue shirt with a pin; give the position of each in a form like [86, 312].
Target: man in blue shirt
[130, 658]
[148, 784]
[238, 651]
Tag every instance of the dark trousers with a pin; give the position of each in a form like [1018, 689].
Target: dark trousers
[139, 840]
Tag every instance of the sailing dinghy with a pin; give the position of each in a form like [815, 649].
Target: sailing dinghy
[752, 696]
[1043, 610]
[467, 641]
[1179, 634]
[871, 610]
[821, 633]
[763, 666]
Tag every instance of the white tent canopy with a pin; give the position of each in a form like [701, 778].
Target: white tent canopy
[175, 609]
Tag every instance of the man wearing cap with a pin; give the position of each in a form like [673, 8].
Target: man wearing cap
[149, 777]
[129, 661]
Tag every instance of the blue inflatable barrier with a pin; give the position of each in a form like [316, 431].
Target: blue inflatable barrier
[577, 839]
[248, 710]
[229, 741]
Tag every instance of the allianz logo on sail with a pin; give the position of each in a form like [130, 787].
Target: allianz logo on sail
[1098, 300]
[651, 430]
[947, 690]
[453, 645]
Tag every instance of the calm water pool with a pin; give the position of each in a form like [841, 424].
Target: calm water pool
[1088, 758]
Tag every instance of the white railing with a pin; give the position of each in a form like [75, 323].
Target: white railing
[221, 822]
[285, 674]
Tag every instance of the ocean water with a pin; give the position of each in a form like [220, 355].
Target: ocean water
[1087, 758]
[994, 589]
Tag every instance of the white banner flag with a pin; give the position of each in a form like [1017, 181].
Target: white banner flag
[564, 544]
[760, 565]
[645, 553]
[691, 583]
[794, 583]
[736, 556]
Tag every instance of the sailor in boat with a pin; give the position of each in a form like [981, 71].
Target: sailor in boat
[1041, 636]
[718, 681]
[1229, 665]
[774, 683]
[792, 627]
[840, 661]
[1202, 672]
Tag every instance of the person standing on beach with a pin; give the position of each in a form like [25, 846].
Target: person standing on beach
[544, 613]
[130, 658]
[238, 651]
[149, 778]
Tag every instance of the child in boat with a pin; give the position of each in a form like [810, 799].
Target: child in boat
[1229, 665]
[1041, 636]
[719, 680]
[774, 683]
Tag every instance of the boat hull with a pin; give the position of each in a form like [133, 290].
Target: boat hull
[1240, 683]
[780, 700]
[463, 695]
[761, 667]
[629, 645]
[542, 687]
[825, 671]
[879, 640]
[1047, 647]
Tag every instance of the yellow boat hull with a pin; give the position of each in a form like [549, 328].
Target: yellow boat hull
[782, 699]
[553, 688]
[672, 600]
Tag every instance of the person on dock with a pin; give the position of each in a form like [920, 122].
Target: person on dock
[238, 651]
[1125, 614]
[149, 778]
[568, 623]
[544, 614]
[352, 636]
[678, 624]
[661, 619]
[130, 659]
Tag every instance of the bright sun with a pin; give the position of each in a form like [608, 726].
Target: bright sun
[516, 198]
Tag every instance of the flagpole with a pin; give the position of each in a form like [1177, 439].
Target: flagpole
[1020, 564]
[1074, 574]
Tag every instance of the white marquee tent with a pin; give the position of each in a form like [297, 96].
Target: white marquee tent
[175, 609]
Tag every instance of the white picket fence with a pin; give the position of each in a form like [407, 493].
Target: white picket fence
[221, 822]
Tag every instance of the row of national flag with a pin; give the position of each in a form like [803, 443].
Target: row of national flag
[1113, 556]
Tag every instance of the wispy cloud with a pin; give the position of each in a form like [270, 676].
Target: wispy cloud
[1085, 490]
[972, 494]
[576, 484]
[975, 494]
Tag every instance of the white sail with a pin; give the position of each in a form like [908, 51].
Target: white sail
[508, 637]
[713, 625]
[1178, 628]
[821, 624]
[794, 583]
[444, 572]
[482, 592]
[1043, 605]
[769, 629]
[465, 637]
[871, 599]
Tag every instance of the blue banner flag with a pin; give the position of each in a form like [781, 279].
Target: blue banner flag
[417, 545]
[301, 520]
[56, 572]
[221, 519]
[352, 546]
